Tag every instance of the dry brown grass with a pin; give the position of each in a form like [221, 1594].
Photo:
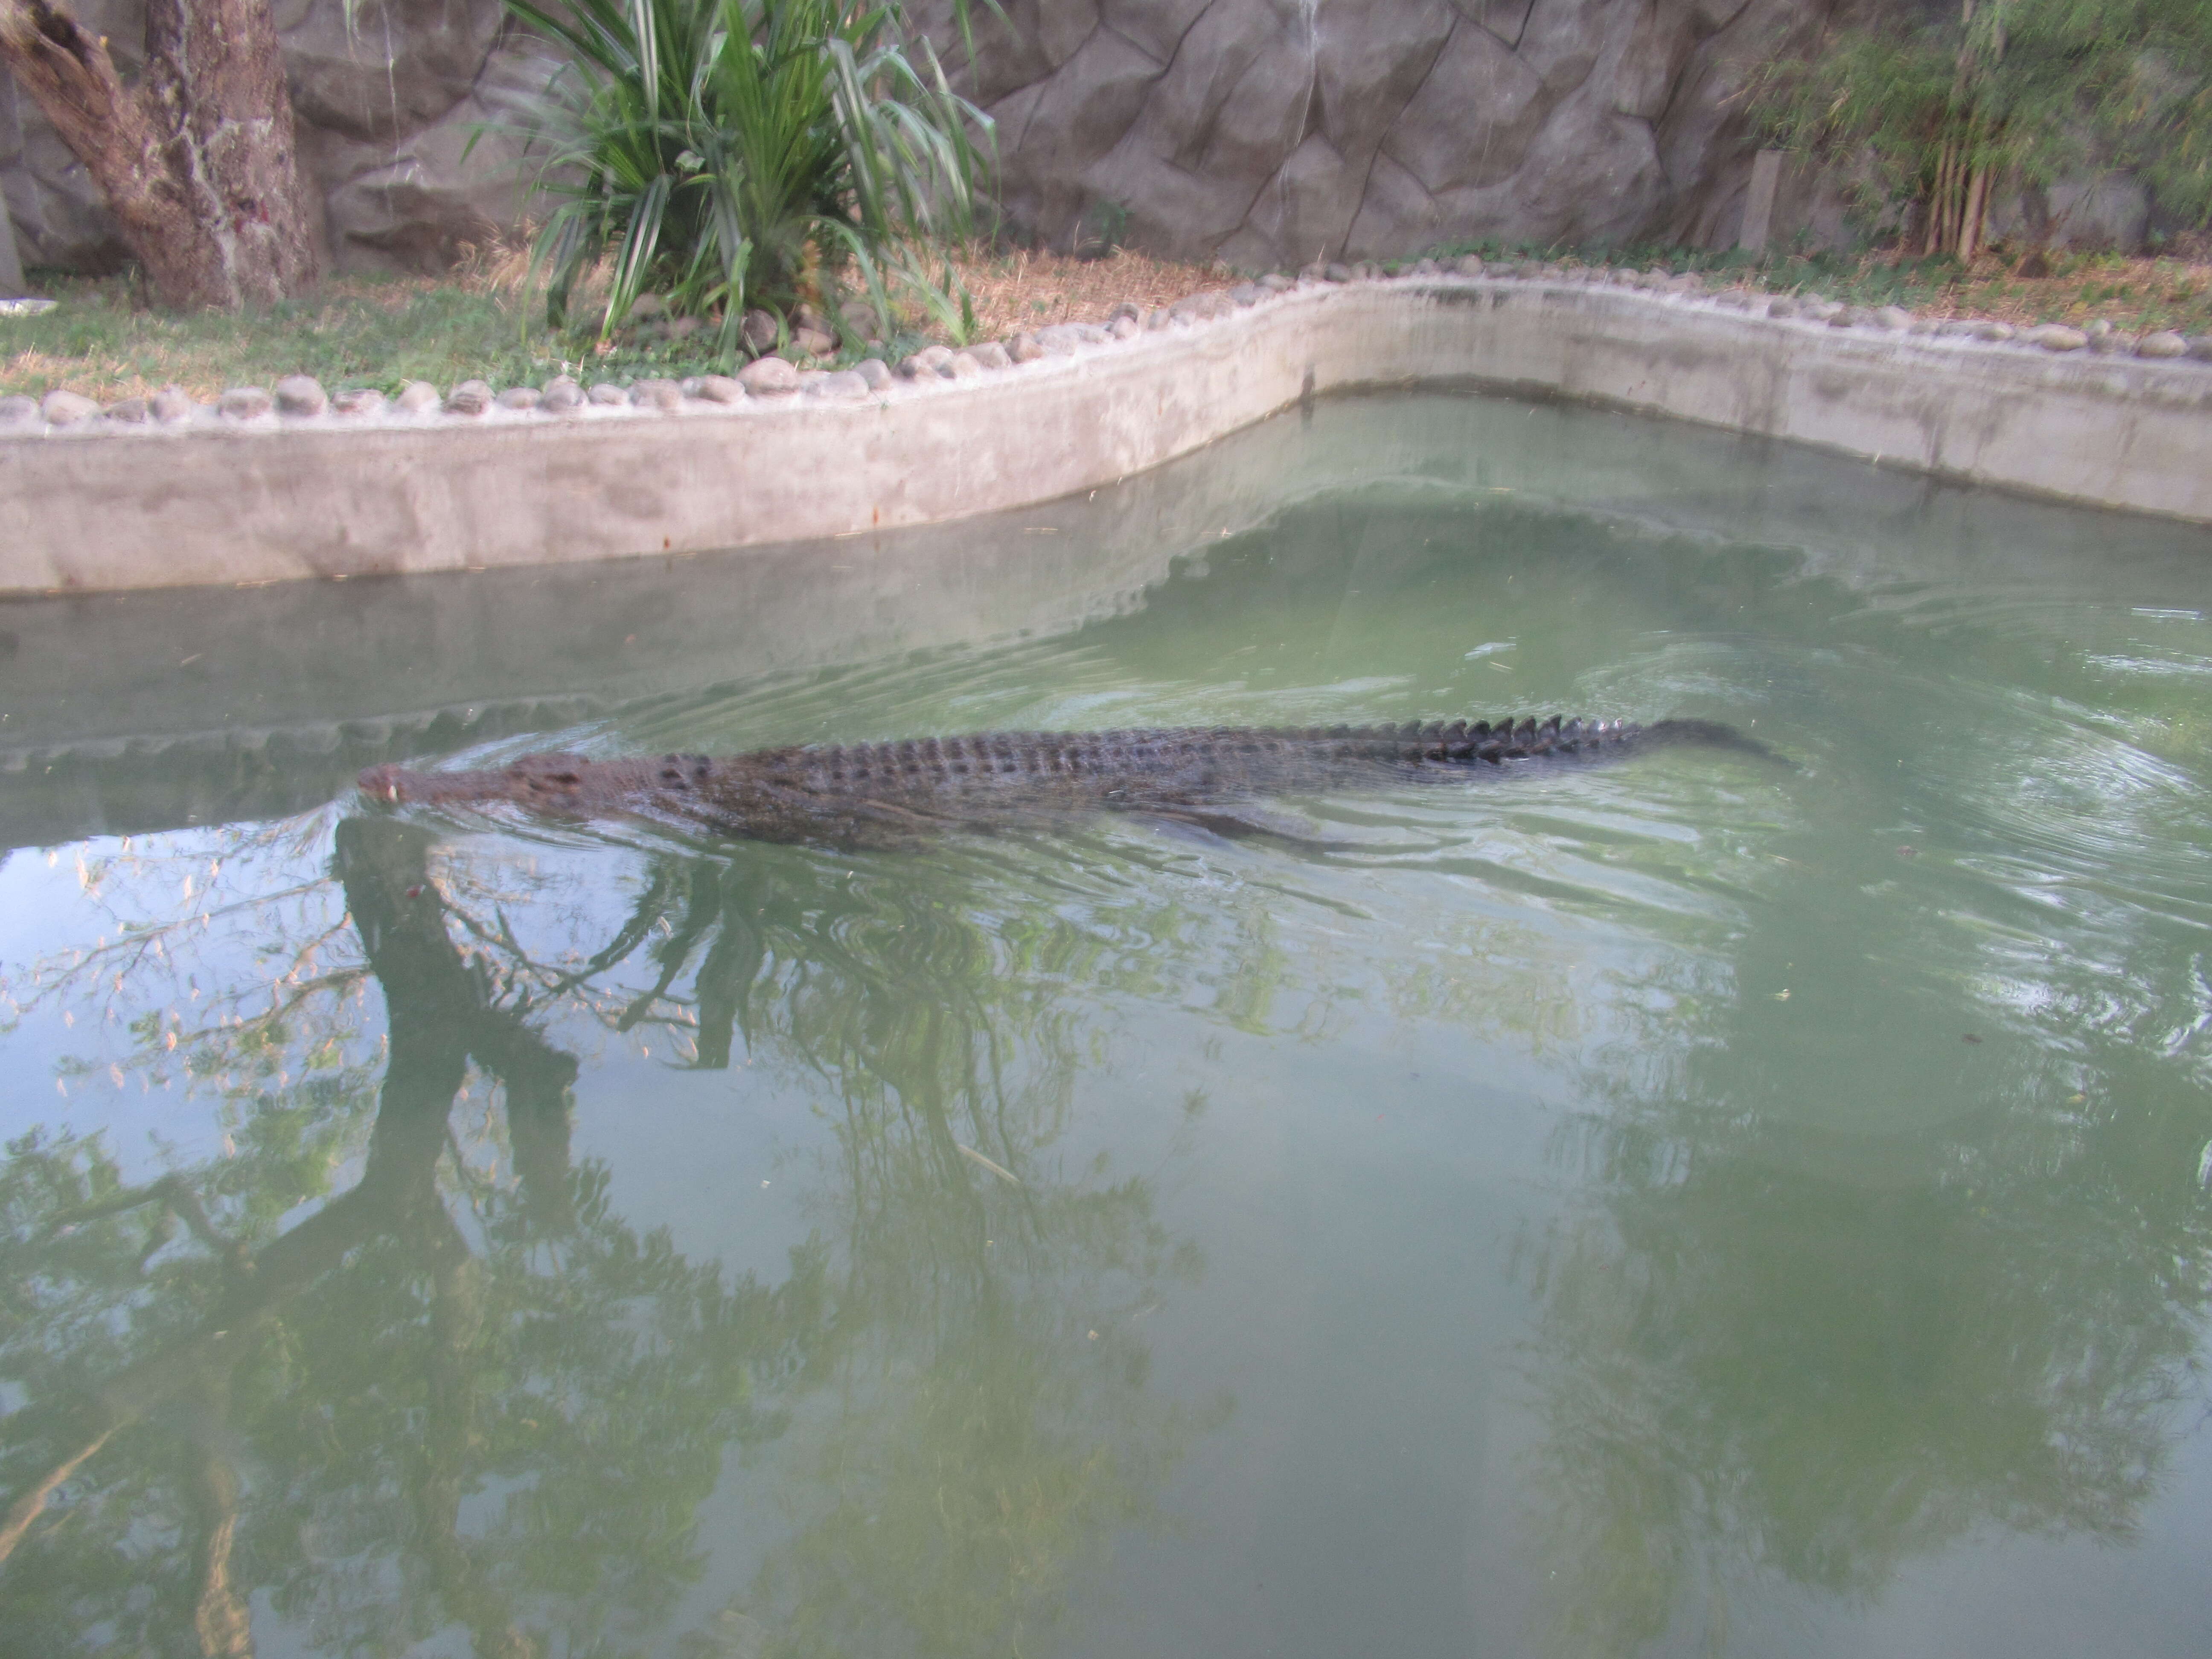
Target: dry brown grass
[2134, 294]
[1014, 292]
[2131, 294]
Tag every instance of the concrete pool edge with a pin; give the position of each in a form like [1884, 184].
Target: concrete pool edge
[109, 507]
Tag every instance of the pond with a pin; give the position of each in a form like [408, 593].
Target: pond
[1678, 1207]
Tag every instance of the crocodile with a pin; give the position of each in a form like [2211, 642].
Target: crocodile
[878, 794]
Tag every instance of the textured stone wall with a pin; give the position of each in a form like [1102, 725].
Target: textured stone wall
[1271, 132]
[386, 107]
[1265, 132]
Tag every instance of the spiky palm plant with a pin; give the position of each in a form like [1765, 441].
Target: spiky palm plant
[721, 150]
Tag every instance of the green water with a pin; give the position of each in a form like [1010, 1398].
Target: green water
[1679, 1208]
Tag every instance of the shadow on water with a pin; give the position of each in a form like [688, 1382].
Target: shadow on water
[461, 1390]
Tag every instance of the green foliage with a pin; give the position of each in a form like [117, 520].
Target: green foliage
[2025, 88]
[722, 152]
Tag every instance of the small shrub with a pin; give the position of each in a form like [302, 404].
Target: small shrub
[729, 153]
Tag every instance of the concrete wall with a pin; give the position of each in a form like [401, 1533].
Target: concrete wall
[104, 506]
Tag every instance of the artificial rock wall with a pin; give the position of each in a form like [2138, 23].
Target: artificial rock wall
[1272, 132]
[1265, 132]
[387, 108]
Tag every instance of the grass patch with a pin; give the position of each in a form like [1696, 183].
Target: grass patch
[483, 322]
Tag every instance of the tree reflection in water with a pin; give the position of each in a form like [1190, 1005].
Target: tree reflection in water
[1821, 1305]
[443, 1397]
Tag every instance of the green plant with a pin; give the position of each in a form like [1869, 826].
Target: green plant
[724, 153]
[1946, 104]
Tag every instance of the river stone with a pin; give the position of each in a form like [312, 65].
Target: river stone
[171, 404]
[1275, 283]
[243, 402]
[877, 373]
[1852, 317]
[357, 400]
[760, 331]
[608, 395]
[860, 322]
[18, 410]
[813, 343]
[721, 389]
[1336, 273]
[67, 409]
[1024, 348]
[1125, 328]
[925, 364]
[1996, 333]
[519, 396]
[845, 383]
[2200, 346]
[470, 398]
[991, 354]
[301, 395]
[418, 397]
[2113, 344]
[1247, 293]
[131, 411]
[1781, 306]
[1157, 319]
[662, 394]
[2163, 343]
[562, 396]
[2055, 336]
[768, 377]
[962, 365]
[1892, 317]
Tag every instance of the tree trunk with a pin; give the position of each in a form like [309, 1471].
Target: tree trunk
[197, 159]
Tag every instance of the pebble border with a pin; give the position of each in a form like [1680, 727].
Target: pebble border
[300, 400]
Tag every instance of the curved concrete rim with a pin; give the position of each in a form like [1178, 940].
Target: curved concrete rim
[109, 507]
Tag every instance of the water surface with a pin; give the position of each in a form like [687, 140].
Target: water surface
[1682, 1208]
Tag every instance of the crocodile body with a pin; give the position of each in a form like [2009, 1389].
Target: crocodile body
[882, 793]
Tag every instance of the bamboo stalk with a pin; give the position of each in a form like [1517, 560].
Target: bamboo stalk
[1978, 197]
[1934, 243]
